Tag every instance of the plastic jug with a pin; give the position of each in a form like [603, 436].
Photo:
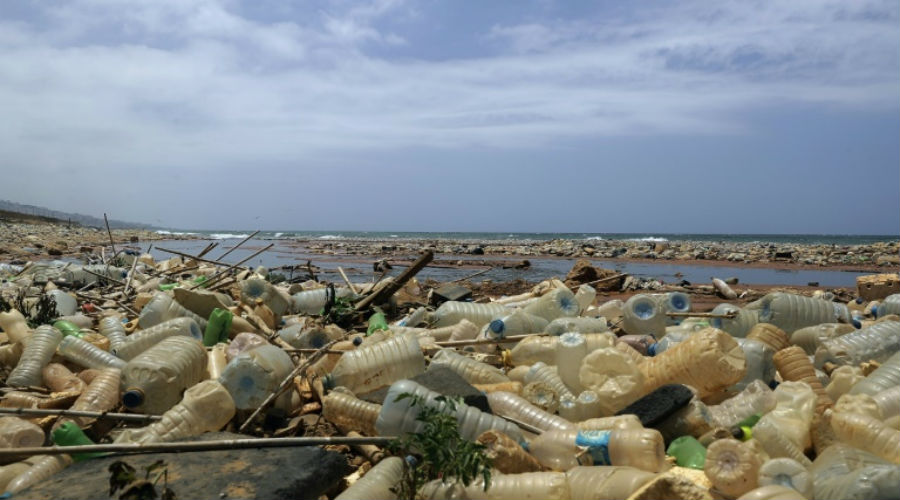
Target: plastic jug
[732, 466]
[787, 472]
[39, 348]
[139, 342]
[474, 372]
[614, 377]
[644, 316]
[877, 342]
[518, 408]
[87, 355]
[349, 413]
[112, 328]
[564, 449]
[255, 374]
[378, 482]
[709, 360]
[162, 307]
[377, 365]
[153, 381]
[559, 302]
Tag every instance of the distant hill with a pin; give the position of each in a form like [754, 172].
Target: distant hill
[48, 215]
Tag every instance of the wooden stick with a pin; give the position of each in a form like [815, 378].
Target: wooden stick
[522, 425]
[239, 244]
[111, 242]
[218, 275]
[601, 280]
[511, 338]
[192, 446]
[352, 288]
[194, 257]
[384, 293]
[479, 273]
[104, 277]
[728, 315]
[130, 276]
[77, 413]
[208, 248]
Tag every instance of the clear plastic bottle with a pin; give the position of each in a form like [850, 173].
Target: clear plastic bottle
[888, 402]
[377, 365]
[112, 328]
[843, 472]
[14, 325]
[43, 468]
[58, 378]
[255, 374]
[541, 372]
[770, 335]
[786, 472]
[517, 322]
[868, 434]
[464, 330]
[570, 351]
[709, 360]
[644, 316]
[65, 303]
[348, 412]
[475, 372]
[154, 380]
[102, 394]
[87, 355]
[542, 395]
[792, 415]
[11, 471]
[890, 305]
[589, 406]
[205, 407]
[312, 301]
[585, 297]
[760, 365]
[627, 421]
[732, 466]
[276, 300]
[614, 377]
[139, 342]
[518, 408]
[378, 482]
[564, 449]
[18, 433]
[527, 485]
[671, 339]
[791, 312]
[755, 398]
[877, 342]
[161, 308]
[740, 325]
[885, 376]
[842, 379]
[605, 481]
[557, 303]
[776, 443]
[678, 302]
[216, 361]
[612, 310]
[243, 341]
[577, 324]
[794, 365]
[452, 312]
[399, 417]
[39, 349]
[811, 337]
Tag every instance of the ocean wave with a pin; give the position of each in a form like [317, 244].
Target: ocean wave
[227, 236]
[330, 237]
[176, 233]
[649, 238]
[279, 235]
[594, 238]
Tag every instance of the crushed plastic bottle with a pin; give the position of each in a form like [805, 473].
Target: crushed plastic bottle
[614, 377]
[877, 342]
[154, 380]
[38, 351]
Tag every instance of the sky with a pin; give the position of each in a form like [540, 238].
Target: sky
[401, 115]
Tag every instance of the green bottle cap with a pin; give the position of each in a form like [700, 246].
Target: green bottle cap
[69, 434]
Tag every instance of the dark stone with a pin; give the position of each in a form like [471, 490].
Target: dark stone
[585, 272]
[54, 251]
[450, 292]
[133, 239]
[277, 473]
[657, 406]
[731, 281]
[443, 380]
[477, 251]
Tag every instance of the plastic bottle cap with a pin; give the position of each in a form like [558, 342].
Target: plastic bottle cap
[357, 340]
[859, 300]
[651, 350]
[856, 324]
[875, 311]
[328, 381]
[497, 326]
[133, 398]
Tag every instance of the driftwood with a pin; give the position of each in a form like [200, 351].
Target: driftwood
[382, 294]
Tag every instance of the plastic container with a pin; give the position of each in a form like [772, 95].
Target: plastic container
[811, 337]
[842, 472]
[11, 471]
[563, 450]
[794, 365]
[303, 337]
[772, 492]
[678, 302]
[688, 452]
[349, 413]
[570, 351]
[154, 381]
[206, 407]
[556, 303]
[541, 372]
[13, 323]
[377, 482]
[577, 324]
[756, 398]
[399, 417]
[452, 312]
[255, 374]
[69, 434]
[787, 472]
[585, 297]
[769, 335]
[517, 322]
[792, 415]
[868, 434]
[112, 328]
[604, 482]
[518, 408]
[791, 312]
[732, 466]
[611, 310]
[39, 349]
[526, 486]
[255, 289]
[777, 443]
[87, 355]
[890, 305]
[216, 361]
[709, 361]
[18, 433]
[43, 468]
[139, 342]
[377, 365]
[614, 377]
[888, 402]
[242, 342]
[644, 316]
[760, 365]
[65, 303]
[589, 406]
[312, 301]
[58, 378]
[162, 307]
[884, 377]
[874, 343]
[102, 394]
[475, 372]
[740, 325]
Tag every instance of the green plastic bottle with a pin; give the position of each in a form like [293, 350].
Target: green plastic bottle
[688, 452]
[218, 326]
[377, 322]
[68, 328]
[69, 434]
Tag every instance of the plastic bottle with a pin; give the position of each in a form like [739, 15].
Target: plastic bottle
[517, 322]
[688, 452]
[102, 394]
[216, 361]
[760, 365]
[709, 360]
[242, 342]
[38, 351]
[256, 373]
[611, 310]
[877, 342]
[671, 339]
[776, 443]
[69, 434]
[740, 325]
[794, 365]
[112, 328]
[18, 433]
[786, 472]
[205, 407]
[518, 408]
[755, 398]
[604, 482]
[842, 472]
[541, 372]
[564, 449]
[559, 302]
[888, 402]
[377, 365]
[67, 328]
[58, 378]
[377, 482]
[769, 335]
[640, 343]
[614, 377]
[885, 376]
[399, 417]
[542, 348]
[452, 312]
[890, 305]
[85, 354]
[589, 406]
[577, 324]
[792, 415]
[868, 434]
[255, 289]
[154, 380]
[678, 302]
[65, 303]
[11, 471]
[570, 351]
[732, 466]
[811, 337]
[772, 492]
[303, 337]
[475, 372]
[162, 307]
[542, 395]
[527, 485]
[139, 342]
[644, 316]
[349, 413]
[43, 468]
[312, 301]
[791, 312]
[585, 296]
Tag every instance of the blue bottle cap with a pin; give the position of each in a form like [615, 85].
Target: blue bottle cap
[133, 398]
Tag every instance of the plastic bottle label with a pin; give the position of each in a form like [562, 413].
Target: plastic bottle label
[596, 443]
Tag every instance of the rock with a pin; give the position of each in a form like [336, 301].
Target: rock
[443, 380]
[54, 251]
[656, 407]
[477, 251]
[584, 272]
[731, 281]
[133, 239]
[278, 473]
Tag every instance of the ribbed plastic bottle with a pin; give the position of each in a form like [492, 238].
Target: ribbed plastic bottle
[740, 325]
[577, 324]
[87, 355]
[205, 407]
[628, 421]
[843, 472]
[399, 417]
[452, 312]
[154, 380]
[39, 349]
[348, 412]
[888, 402]
[570, 351]
[811, 337]
[604, 482]
[18, 433]
[377, 365]
[255, 288]
[585, 297]
[614, 377]
[112, 328]
[517, 322]
[760, 365]
[644, 316]
[884, 377]
[787, 472]
[475, 372]
[312, 301]
[557, 303]
[140, 341]
[518, 408]
[563, 450]
[13, 323]
[868, 434]
[732, 466]
[777, 443]
[377, 482]
[791, 312]
[255, 374]
[11, 471]
[161, 308]
[755, 398]
[770, 335]
[546, 374]
[527, 485]
[890, 305]
[709, 360]
[43, 468]
[102, 394]
[58, 378]
[542, 348]
[792, 415]
[874, 343]
[794, 365]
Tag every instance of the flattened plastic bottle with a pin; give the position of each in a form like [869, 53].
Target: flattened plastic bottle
[475, 372]
[58, 378]
[18, 433]
[732, 466]
[399, 417]
[557, 303]
[112, 328]
[377, 365]
[452, 312]
[102, 394]
[644, 316]
[518, 408]
[811, 337]
[378, 482]
[255, 374]
[787, 472]
[843, 472]
[885, 376]
[140, 341]
[154, 380]
[740, 325]
[541, 372]
[709, 360]
[563, 450]
[755, 398]
[348, 412]
[39, 349]
[614, 377]
[87, 355]
[161, 308]
[791, 312]
[868, 434]
[43, 468]
[877, 342]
